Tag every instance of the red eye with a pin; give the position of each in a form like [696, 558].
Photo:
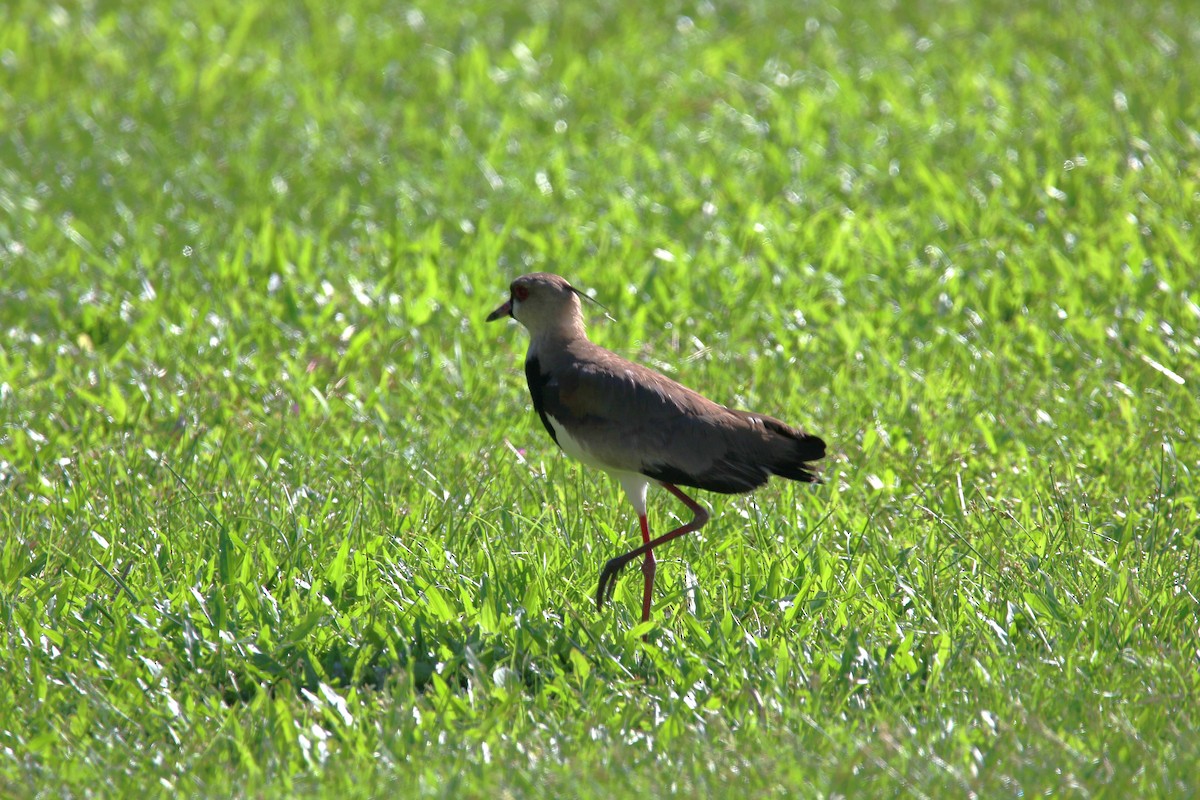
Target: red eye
[520, 292]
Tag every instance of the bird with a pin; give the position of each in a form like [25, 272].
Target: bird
[640, 426]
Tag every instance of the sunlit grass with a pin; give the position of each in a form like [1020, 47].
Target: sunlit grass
[278, 519]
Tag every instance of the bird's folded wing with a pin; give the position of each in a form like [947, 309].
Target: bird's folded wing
[631, 418]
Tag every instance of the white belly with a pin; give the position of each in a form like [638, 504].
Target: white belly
[572, 446]
[633, 483]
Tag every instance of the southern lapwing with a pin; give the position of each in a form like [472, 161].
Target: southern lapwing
[640, 426]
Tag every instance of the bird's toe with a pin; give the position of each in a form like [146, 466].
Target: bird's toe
[608, 581]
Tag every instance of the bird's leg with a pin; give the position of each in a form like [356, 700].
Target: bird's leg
[608, 575]
[648, 569]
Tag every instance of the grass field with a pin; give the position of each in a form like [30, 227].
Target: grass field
[277, 519]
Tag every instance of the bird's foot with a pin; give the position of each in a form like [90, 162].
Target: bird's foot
[608, 580]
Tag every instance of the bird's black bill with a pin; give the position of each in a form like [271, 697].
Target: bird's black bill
[503, 311]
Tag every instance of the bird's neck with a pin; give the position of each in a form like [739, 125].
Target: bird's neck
[558, 336]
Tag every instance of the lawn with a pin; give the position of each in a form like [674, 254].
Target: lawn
[277, 518]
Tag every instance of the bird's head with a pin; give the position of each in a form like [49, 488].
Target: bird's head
[543, 303]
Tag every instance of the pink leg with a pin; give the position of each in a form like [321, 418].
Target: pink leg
[608, 575]
[648, 569]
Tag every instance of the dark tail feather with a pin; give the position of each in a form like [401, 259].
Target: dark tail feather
[805, 448]
[751, 459]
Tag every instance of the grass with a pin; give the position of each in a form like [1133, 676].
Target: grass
[278, 519]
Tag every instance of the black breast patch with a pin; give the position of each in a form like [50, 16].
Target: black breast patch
[540, 385]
